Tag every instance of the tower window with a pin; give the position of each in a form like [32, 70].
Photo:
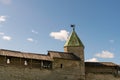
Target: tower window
[61, 65]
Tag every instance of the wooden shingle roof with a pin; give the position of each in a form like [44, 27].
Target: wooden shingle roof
[100, 64]
[63, 55]
[51, 55]
[11, 53]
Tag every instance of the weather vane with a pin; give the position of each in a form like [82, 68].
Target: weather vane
[73, 26]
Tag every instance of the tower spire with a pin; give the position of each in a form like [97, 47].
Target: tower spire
[73, 39]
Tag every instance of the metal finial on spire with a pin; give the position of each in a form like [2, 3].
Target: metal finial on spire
[73, 26]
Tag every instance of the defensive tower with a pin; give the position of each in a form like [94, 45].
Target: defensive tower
[74, 45]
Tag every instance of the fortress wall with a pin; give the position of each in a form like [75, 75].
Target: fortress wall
[9, 72]
[69, 64]
[16, 70]
[34, 70]
[23, 62]
[102, 73]
[70, 67]
[101, 69]
[99, 76]
[20, 73]
[2, 60]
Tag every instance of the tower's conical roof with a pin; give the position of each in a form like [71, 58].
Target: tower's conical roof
[73, 40]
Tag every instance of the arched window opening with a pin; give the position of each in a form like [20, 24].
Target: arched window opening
[46, 64]
[25, 63]
[8, 61]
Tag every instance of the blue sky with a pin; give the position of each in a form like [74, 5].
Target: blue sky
[40, 25]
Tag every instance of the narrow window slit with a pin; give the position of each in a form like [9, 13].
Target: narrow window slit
[25, 63]
[61, 65]
[8, 61]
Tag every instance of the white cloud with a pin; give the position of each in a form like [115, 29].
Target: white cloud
[1, 33]
[92, 60]
[35, 32]
[105, 54]
[8, 38]
[2, 18]
[5, 2]
[4, 37]
[111, 41]
[30, 39]
[62, 35]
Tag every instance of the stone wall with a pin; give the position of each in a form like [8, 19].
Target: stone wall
[24, 62]
[79, 52]
[94, 76]
[61, 69]
[20, 73]
[69, 68]
[101, 69]
[102, 73]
